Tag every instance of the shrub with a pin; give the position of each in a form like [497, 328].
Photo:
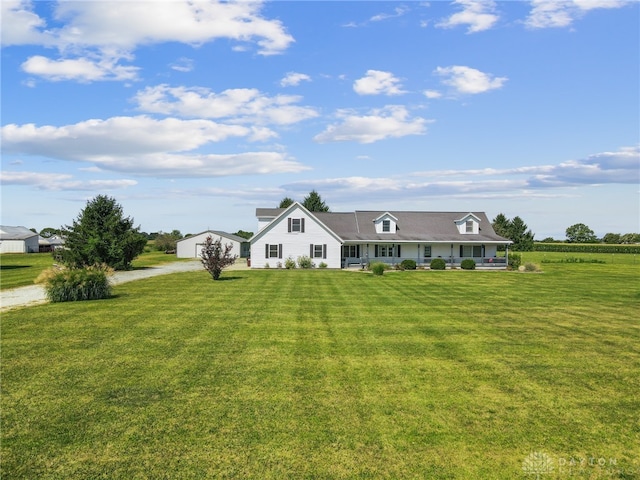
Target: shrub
[515, 259]
[266, 265]
[322, 265]
[75, 284]
[289, 263]
[438, 264]
[531, 267]
[305, 262]
[408, 264]
[468, 264]
[378, 268]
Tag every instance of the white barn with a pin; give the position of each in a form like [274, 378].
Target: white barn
[190, 247]
[18, 240]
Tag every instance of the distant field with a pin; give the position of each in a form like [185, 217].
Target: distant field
[275, 374]
[19, 270]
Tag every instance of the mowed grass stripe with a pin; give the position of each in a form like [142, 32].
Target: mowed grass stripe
[325, 374]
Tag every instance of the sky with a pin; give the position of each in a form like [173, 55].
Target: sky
[192, 114]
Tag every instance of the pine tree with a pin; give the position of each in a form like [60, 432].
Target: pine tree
[102, 235]
[285, 202]
[314, 203]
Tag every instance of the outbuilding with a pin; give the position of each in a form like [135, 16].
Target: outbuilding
[191, 246]
[18, 240]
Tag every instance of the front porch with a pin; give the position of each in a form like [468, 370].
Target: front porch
[452, 262]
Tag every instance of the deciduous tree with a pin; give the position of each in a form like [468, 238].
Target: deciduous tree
[580, 233]
[215, 256]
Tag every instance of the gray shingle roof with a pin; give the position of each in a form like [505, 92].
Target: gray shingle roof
[358, 226]
[412, 226]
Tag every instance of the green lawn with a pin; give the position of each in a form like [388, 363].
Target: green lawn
[324, 374]
[20, 269]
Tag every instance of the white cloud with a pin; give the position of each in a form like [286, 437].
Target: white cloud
[377, 82]
[82, 69]
[392, 121]
[562, 13]
[397, 12]
[293, 79]
[479, 15]
[144, 146]
[182, 65]
[61, 181]
[432, 94]
[20, 24]
[96, 37]
[239, 105]
[467, 80]
[533, 181]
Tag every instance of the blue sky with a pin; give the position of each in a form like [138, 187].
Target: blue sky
[192, 114]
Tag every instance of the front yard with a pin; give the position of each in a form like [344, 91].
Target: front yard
[329, 374]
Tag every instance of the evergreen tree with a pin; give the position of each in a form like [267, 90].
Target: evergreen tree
[515, 230]
[314, 203]
[102, 235]
[285, 202]
[501, 225]
[519, 234]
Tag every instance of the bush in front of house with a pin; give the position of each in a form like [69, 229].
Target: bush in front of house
[289, 263]
[531, 267]
[468, 264]
[377, 268]
[407, 264]
[75, 284]
[438, 264]
[305, 262]
[322, 265]
[515, 260]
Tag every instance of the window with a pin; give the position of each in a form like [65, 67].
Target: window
[273, 251]
[386, 225]
[469, 226]
[351, 251]
[296, 225]
[469, 251]
[387, 251]
[427, 251]
[318, 251]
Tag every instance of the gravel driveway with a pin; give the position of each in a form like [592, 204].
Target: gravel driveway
[34, 294]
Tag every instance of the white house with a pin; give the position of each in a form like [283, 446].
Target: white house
[354, 238]
[190, 247]
[18, 240]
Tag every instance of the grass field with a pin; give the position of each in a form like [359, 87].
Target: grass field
[20, 270]
[276, 374]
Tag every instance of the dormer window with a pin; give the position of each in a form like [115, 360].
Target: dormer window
[386, 223]
[469, 226]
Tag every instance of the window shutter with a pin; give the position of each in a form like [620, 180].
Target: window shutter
[289, 224]
[302, 225]
[399, 255]
[311, 250]
[461, 251]
[280, 251]
[324, 251]
[266, 250]
[376, 251]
